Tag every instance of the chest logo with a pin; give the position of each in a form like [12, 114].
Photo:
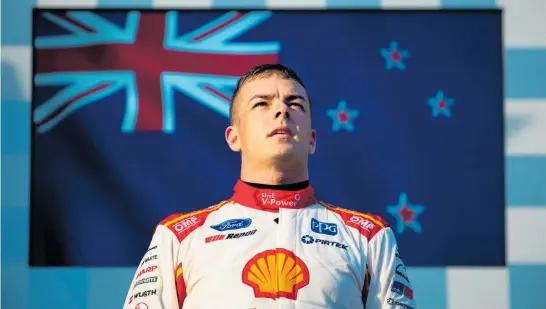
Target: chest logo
[276, 273]
[232, 224]
[323, 227]
[308, 239]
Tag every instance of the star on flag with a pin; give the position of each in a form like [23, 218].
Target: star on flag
[406, 214]
[342, 117]
[440, 105]
[394, 57]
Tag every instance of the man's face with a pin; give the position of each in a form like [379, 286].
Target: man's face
[272, 120]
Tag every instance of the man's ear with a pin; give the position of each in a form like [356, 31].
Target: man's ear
[313, 142]
[232, 138]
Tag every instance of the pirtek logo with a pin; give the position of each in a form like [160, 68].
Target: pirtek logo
[308, 239]
[271, 200]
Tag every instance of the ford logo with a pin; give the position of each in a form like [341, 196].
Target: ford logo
[233, 224]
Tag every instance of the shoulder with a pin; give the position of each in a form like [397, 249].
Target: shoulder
[183, 224]
[366, 223]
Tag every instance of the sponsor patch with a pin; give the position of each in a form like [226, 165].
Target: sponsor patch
[148, 259]
[308, 239]
[142, 294]
[141, 306]
[323, 227]
[401, 271]
[185, 224]
[393, 302]
[363, 223]
[145, 280]
[233, 224]
[229, 236]
[401, 289]
[146, 270]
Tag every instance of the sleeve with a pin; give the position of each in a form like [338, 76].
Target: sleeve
[154, 283]
[389, 284]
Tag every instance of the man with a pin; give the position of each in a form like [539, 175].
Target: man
[272, 244]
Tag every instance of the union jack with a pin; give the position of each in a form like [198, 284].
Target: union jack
[149, 59]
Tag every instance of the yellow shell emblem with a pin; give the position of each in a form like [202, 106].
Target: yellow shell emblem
[276, 273]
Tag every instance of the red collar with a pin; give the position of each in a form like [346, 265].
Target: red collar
[272, 200]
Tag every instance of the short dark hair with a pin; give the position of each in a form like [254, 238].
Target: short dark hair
[260, 71]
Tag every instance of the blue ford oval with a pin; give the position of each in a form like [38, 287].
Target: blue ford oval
[232, 224]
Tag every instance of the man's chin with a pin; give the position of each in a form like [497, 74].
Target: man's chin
[281, 152]
[284, 154]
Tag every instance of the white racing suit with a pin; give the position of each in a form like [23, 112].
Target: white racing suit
[265, 249]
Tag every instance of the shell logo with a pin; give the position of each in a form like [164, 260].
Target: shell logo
[276, 273]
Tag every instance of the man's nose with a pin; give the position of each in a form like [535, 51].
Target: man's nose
[281, 110]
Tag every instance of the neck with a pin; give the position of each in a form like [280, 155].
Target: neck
[271, 198]
[273, 175]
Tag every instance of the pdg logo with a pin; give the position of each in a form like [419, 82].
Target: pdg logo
[323, 227]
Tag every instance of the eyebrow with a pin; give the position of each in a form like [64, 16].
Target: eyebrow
[290, 97]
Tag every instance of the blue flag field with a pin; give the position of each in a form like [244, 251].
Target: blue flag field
[130, 107]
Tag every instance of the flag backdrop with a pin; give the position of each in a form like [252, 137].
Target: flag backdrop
[437, 287]
[130, 109]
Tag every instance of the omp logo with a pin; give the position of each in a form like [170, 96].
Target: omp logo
[363, 223]
[185, 224]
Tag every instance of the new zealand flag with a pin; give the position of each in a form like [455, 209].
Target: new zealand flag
[130, 107]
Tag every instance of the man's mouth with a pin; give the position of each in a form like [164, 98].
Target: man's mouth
[281, 131]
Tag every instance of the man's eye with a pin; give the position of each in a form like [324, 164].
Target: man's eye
[296, 104]
[260, 104]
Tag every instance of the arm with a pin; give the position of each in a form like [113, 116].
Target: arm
[154, 282]
[389, 284]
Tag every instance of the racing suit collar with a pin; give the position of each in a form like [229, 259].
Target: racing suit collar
[272, 199]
